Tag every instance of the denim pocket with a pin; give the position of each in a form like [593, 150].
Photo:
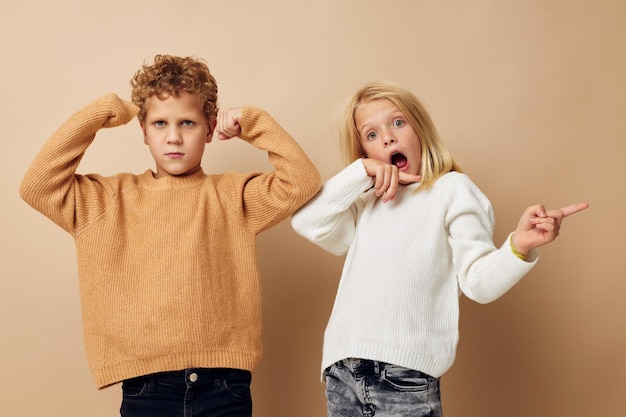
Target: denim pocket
[238, 385]
[134, 387]
[330, 371]
[406, 380]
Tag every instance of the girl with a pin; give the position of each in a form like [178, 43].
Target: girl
[415, 231]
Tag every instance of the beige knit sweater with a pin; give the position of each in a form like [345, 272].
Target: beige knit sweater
[168, 268]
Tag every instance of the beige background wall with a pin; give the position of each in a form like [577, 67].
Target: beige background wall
[529, 95]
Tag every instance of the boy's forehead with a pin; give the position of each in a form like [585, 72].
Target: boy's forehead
[173, 95]
[179, 102]
[165, 94]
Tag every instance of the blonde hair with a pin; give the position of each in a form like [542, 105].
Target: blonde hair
[170, 75]
[436, 160]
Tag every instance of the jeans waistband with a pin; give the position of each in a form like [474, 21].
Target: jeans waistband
[193, 375]
[357, 365]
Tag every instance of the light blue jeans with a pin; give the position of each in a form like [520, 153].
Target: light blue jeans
[364, 388]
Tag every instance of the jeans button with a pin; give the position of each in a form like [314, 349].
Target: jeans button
[193, 377]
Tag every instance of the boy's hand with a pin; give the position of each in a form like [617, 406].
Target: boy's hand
[538, 226]
[228, 123]
[120, 111]
[387, 177]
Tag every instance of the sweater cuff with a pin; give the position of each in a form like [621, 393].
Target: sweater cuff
[358, 176]
[532, 256]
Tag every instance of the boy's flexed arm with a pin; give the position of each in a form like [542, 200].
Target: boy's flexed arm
[270, 197]
[49, 183]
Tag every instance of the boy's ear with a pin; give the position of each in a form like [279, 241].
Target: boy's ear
[211, 128]
[143, 129]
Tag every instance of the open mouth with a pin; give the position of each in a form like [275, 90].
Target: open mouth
[399, 160]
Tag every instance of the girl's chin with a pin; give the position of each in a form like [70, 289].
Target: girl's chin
[407, 169]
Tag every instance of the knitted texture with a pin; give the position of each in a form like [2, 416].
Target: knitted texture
[168, 267]
[407, 262]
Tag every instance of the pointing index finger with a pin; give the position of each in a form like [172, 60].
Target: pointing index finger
[574, 208]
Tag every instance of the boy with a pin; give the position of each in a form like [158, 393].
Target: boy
[166, 260]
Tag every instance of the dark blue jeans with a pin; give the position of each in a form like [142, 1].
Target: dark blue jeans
[213, 392]
[364, 388]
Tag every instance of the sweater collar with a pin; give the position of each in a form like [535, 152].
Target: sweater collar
[147, 180]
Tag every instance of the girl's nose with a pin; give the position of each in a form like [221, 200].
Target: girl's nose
[389, 140]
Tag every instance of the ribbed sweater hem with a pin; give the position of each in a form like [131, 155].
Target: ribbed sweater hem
[415, 359]
[118, 372]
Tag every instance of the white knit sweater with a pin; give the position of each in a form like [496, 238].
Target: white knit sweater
[407, 262]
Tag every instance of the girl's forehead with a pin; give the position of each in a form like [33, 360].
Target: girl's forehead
[375, 110]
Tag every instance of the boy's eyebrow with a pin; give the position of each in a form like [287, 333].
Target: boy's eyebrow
[153, 117]
[186, 116]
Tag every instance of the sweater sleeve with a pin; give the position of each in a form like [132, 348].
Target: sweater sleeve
[484, 272]
[269, 198]
[329, 219]
[50, 184]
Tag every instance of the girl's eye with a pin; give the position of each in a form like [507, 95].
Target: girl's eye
[187, 123]
[398, 123]
[159, 123]
[371, 135]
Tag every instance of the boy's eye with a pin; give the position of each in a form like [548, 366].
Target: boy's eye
[398, 123]
[187, 123]
[159, 123]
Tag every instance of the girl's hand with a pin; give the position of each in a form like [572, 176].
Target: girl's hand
[538, 226]
[387, 177]
[228, 123]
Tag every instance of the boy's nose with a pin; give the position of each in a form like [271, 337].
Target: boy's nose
[173, 136]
